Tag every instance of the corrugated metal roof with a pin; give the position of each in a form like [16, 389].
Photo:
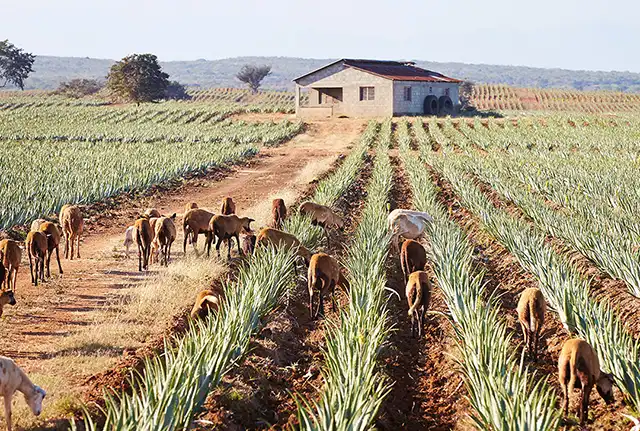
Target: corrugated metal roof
[394, 70]
[398, 71]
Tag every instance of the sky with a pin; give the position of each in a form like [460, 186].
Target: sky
[570, 34]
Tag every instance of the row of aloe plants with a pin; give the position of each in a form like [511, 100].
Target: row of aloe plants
[86, 172]
[608, 241]
[564, 288]
[328, 192]
[173, 386]
[501, 391]
[594, 209]
[354, 386]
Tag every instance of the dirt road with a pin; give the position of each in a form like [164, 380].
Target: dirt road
[32, 330]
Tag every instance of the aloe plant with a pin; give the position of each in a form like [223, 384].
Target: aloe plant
[354, 388]
[501, 391]
[561, 283]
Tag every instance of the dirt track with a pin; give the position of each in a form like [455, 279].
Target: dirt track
[32, 330]
[427, 391]
[286, 356]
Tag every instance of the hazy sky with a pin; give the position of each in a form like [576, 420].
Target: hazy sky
[573, 34]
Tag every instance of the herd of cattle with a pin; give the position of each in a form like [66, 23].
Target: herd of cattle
[154, 234]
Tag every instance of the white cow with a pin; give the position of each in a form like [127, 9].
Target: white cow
[408, 224]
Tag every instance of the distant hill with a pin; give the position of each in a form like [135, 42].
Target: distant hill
[50, 71]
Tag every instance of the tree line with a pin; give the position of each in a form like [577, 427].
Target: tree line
[136, 78]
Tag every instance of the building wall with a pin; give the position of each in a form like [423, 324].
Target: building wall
[320, 74]
[419, 91]
[314, 96]
[350, 80]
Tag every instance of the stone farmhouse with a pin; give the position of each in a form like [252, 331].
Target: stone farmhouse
[373, 88]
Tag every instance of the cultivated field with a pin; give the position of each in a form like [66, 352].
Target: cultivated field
[264, 101]
[81, 154]
[544, 201]
[486, 97]
[497, 98]
[505, 98]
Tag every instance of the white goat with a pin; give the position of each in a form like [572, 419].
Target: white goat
[129, 238]
[13, 379]
[408, 224]
[635, 421]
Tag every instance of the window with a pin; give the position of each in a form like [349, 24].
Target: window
[407, 93]
[430, 90]
[446, 91]
[367, 93]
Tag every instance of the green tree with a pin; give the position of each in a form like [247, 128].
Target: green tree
[138, 78]
[15, 65]
[78, 88]
[253, 75]
[176, 91]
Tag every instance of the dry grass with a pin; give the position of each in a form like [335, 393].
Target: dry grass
[130, 319]
[63, 397]
[141, 312]
[314, 169]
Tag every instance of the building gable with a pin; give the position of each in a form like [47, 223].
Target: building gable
[323, 72]
[347, 76]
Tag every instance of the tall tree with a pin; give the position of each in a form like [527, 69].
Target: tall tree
[138, 78]
[15, 65]
[253, 75]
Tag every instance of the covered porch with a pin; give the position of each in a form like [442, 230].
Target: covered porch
[319, 102]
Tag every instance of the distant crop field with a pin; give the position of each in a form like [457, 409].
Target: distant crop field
[485, 97]
[505, 98]
[263, 101]
[57, 151]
